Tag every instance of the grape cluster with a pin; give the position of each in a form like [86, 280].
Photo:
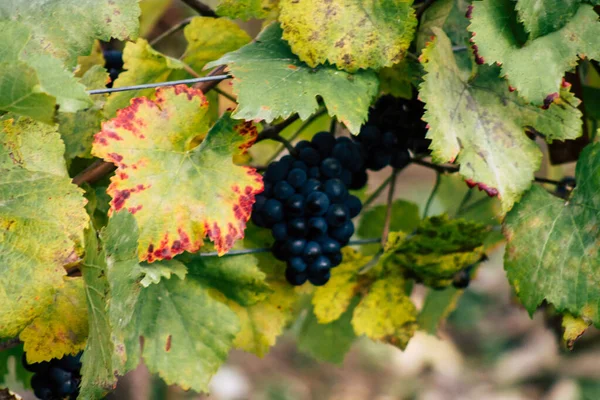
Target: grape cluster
[395, 126]
[307, 206]
[113, 62]
[57, 378]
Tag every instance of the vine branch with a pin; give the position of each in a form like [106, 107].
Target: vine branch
[201, 8]
[174, 29]
[388, 210]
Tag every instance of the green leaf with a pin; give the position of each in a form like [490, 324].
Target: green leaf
[574, 328]
[546, 16]
[271, 82]
[97, 373]
[74, 24]
[477, 122]
[535, 68]
[77, 129]
[438, 305]
[210, 39]
[406, 219]
[399, 79]
[151, 11]
[181, 193]
[352, 34]
[142, 65]
[247, 9]
[327, 342]
[438, 249]
[552, 252]
[187, 333]
[448, 15]
[153, 273]
[12, 369]
[62, 328]
[42, 217]
[386, 313]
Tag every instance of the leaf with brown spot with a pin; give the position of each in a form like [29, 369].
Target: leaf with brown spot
[179, 192]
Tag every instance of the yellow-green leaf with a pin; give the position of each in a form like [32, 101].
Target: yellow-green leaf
[247, 9]
[574, 327]
[62, 328]
[179, 193]
[352, 34]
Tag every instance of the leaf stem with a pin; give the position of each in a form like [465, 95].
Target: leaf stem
[305, 125]
[333, 126]
[377, 192]
[201, 8]
[388, 210]
[174, 29]
[438, 180]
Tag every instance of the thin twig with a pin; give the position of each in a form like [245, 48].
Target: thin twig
[273, 131]
[225, 94]
[174, 29]
[333, 126]
[438, 180]
[94, 172]
[9, 344]
[201, 8]
[305, 125]
[377, 192]
[453, 168]
[388, 210]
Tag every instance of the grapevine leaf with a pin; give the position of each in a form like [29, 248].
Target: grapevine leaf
[247, 9]
[438, 249]
[187, 333]
[438, 305]
[332, 300]
[386, 313]
[142, 64]
[406, 219]
[476, 121]
[540, 18]
[151, 11]
[263, 321]
[73, 25]
[77, 129]
[62, 328]
[399, 79]
[552, 252]
[97, 375]
[179, 194]
[42, 217]
[535, 68]
[351, 34]
[266, 72]
[11, 367]
[155, 272]
[448, 15]
[327, 342]
[211, 38]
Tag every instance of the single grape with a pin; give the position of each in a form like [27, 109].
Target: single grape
[272, 211]
[310, 156]
[354, 205]
[335, 258]
[329, 245]
[343, 233]
[336, 190]
[259, 202]
[283, 190]
[319, 278]
[314, 172]
[268, 189]
[331, 168]
[303, 144]
[343, 153]
[337, 215]
[299, 165]
[317, 203]
[286, 162]
[275, 172]
[312, 250]
[400, 159]
[295, 278]
[296, 246]
[294, 206]
[279, 231]
[297, 264]
[41, 387]
[317, 226]
[323, 142]
[359, 180]
[297, 177]
[297, 227]
[311, 185]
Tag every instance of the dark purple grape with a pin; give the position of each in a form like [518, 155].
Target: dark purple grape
[346, 177]
[389, 139]
[311, 185]
[317, 203]
[379, 158]
[314, 172]
[329, 245]
[310, 156]
[294, 206]
[336, 190]
[317, 226]
[323, 142]
[331, 168]
[297, 264]
[296, 246]
[354, 205]
[279, 251]
[343, 233]
[299, 165]
[272, 211]
[400, 159]
[312, 250]
[369, 136]
[275, 172]
[297, 177]
[295, 278]
[359, 180]
[303, 144]
[283, 190]
[335, 258]
[337, 215]
[279, 231]
[297, 227]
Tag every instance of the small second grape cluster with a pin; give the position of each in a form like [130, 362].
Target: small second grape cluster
[57, 378]
[306, 203]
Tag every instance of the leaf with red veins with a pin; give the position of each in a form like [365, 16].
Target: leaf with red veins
[179, 192]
